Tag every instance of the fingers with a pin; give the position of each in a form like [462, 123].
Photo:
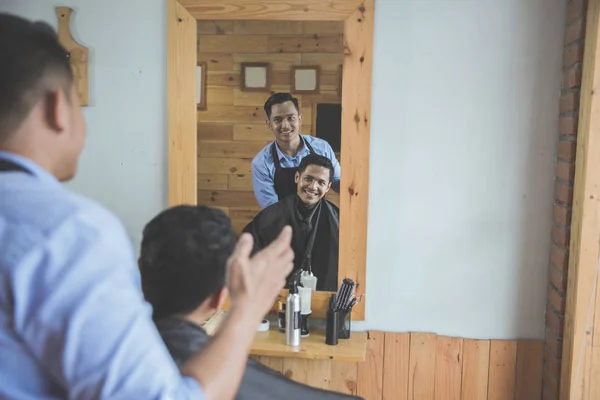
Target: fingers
[282, 243]
[286, 234]
[276, 260]
[289, 266]
[288, 259]
[243, 247]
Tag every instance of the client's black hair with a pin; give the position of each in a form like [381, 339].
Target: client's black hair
[316, 159]
[279, 98]
[183, 258]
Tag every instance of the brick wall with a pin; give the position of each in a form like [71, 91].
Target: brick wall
[563, 195]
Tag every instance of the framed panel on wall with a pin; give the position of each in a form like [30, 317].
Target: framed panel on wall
[256, 77]
[305, 79]
[201, 85]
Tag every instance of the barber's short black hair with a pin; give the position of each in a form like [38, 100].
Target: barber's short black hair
[279, 98]
[316, 159]
[32, 63]
[183, 258]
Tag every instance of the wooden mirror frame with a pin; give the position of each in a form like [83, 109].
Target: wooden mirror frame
[358, 17]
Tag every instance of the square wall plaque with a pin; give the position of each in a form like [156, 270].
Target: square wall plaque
[305, 79]
[256, 77]
[201, 86]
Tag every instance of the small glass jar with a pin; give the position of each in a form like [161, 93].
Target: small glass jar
[281, 316]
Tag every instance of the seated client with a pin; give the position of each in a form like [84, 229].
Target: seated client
[314, 221]
[183, 265]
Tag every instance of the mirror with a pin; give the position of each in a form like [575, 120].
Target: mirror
[245, 62]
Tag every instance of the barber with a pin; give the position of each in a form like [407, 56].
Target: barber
[73, 320]
[274, 167]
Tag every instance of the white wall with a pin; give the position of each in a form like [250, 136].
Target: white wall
[124, 162]
[464, 131]
[464, 127]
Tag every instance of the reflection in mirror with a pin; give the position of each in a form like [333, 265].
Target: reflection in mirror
[201, 86]
[256, 77]
[305, 79]
[250, 156]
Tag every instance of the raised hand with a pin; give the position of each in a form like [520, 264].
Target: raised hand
[254, 283]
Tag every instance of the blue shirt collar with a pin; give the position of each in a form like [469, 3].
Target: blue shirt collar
[28, 164]
[284, 156]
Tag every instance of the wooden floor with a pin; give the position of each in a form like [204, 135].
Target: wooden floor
[422, 366]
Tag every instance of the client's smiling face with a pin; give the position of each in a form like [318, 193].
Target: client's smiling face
[312, 184]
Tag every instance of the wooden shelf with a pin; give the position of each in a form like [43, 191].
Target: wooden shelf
[272, 344]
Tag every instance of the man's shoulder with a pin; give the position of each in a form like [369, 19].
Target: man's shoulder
[46, 208]
[334, 208]
[273, 213]
[54, 219]
[89, 212]
[282, 204]
[92, 213]
[261, 158]
[317, 140]
[272, 209]
[319, 145]
[182, 338]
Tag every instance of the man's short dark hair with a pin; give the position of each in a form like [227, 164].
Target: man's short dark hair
[316, 159]
[279, 98]
[183, 258]
[33, 63]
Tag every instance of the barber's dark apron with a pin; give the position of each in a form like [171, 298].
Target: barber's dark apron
[284, 177]
[7, 166]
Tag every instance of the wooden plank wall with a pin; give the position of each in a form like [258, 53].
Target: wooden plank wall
[232, 129]
[425, 366]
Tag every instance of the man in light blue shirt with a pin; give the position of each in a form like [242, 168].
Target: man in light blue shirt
[274, 167]
[73, 322]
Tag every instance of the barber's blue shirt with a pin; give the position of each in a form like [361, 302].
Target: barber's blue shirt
[263, 168]
[73, 321]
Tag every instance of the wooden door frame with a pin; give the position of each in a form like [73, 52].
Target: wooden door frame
[581, 345]
[358, 17]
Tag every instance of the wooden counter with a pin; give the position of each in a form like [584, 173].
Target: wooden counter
[272, 344]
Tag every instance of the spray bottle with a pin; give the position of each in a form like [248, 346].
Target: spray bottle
[292, 316]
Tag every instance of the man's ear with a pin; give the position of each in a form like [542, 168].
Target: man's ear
[268, 122]
[296, 177]
[328, 187]
[300, 119]
[56, 110]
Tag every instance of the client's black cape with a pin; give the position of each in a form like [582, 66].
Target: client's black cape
[268, 223]
[184, 338]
